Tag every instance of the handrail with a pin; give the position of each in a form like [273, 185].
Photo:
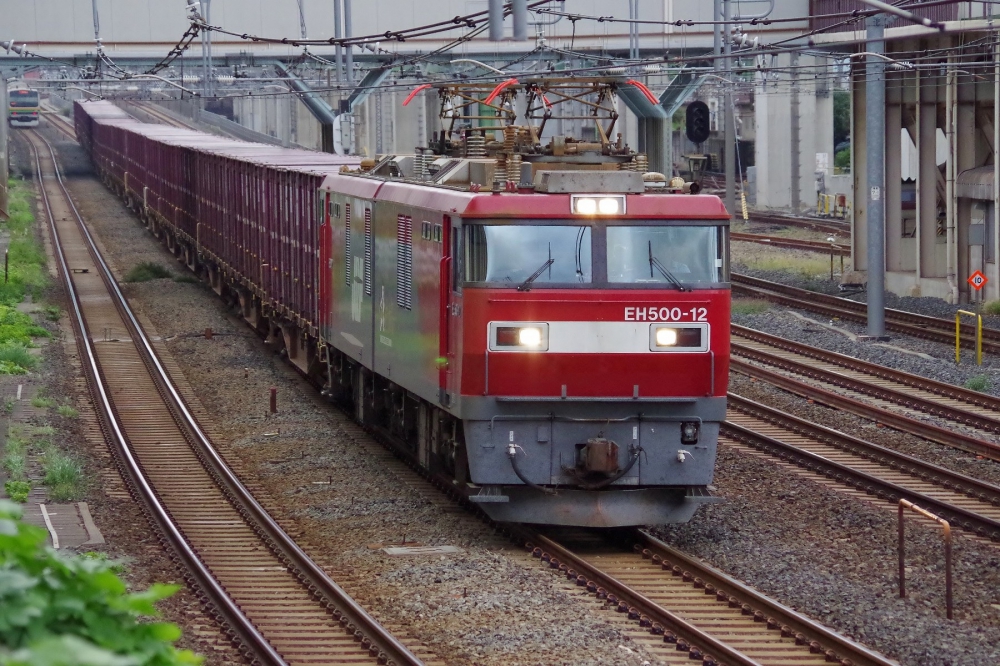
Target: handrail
[958, 334]
[946, 526]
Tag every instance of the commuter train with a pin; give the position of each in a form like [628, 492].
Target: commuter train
[544, 325]
[22, 105]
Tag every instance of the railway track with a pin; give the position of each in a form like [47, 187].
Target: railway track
[909, 323]
[967, 503]
[896, 398]
[279, 605]
[793, 243]
[829, 225]
[693, 613]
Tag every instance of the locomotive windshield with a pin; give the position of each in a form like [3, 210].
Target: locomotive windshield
[514, 254]
[651, 255]
[673, 255]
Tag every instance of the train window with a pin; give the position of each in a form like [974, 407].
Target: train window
[515, 253]
[658, 255]
[404, 262]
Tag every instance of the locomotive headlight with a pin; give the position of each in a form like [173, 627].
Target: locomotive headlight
[608, 206]
[519, 336]
[597, 205]
[666, 337]
[529, 337]
[585, 206]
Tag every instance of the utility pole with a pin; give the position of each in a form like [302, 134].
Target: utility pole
[729, 116]
[519, 13]
[4, 210]
[875, 163]
[349, 62]
[338, 32]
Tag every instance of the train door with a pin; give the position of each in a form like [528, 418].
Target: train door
[451, 309]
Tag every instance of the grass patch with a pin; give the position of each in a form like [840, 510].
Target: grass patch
[63, 476]
[978, 383]
[15, 359]
[187, 279]
[749, 306]
[991, 308]
[17, 491]
[52, 312]
[42, 403]
[147, 271]
[67, 412]
[25, 254]
[15, 464]
[116, 566]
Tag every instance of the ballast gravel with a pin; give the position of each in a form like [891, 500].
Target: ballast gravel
[345, 498]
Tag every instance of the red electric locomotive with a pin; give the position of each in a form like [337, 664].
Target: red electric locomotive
[539, 320]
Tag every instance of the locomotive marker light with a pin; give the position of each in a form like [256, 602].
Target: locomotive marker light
[666, 337]
[678, 338]
[597, 205]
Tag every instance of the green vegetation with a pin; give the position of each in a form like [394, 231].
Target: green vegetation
[187, 278]
[842, 161]
[146, 271]
[42, 403]
[17, 491]
[26, 274]
[991, 308]
[63, 476]
[749, 306]
[57, 610]
[25, 254]
[841, 116]
[67, 412]
[978, 383]
[115, 565]
[52, 312]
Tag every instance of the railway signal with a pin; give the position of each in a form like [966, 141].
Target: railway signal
[697, 119]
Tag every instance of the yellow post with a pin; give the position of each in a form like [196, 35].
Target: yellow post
[958, 335]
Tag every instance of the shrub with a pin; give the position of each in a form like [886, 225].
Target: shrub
[17, 491]
[978, 383]
[63, 476]
[42, 403]
[52, 312]
[58, 610]
[991, 307]
[15, 359]
[14, 463]
[67, 411]
[147, 271]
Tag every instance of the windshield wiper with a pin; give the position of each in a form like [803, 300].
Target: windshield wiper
[670, 277]
[525, 286]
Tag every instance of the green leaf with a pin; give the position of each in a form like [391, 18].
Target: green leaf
[68, 651]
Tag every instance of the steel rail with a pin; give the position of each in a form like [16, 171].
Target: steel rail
[660, 620]
[977, 491]
[228, 609]
[373, 637]
[916, 427]
[898, 396]
[825, 225]
[917, 325]
[790, 623]
[882, 372]
[792, 243]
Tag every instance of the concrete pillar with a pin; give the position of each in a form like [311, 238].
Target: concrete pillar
[970, 258]
[894, 241]
[859, 157]
[927, 196]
